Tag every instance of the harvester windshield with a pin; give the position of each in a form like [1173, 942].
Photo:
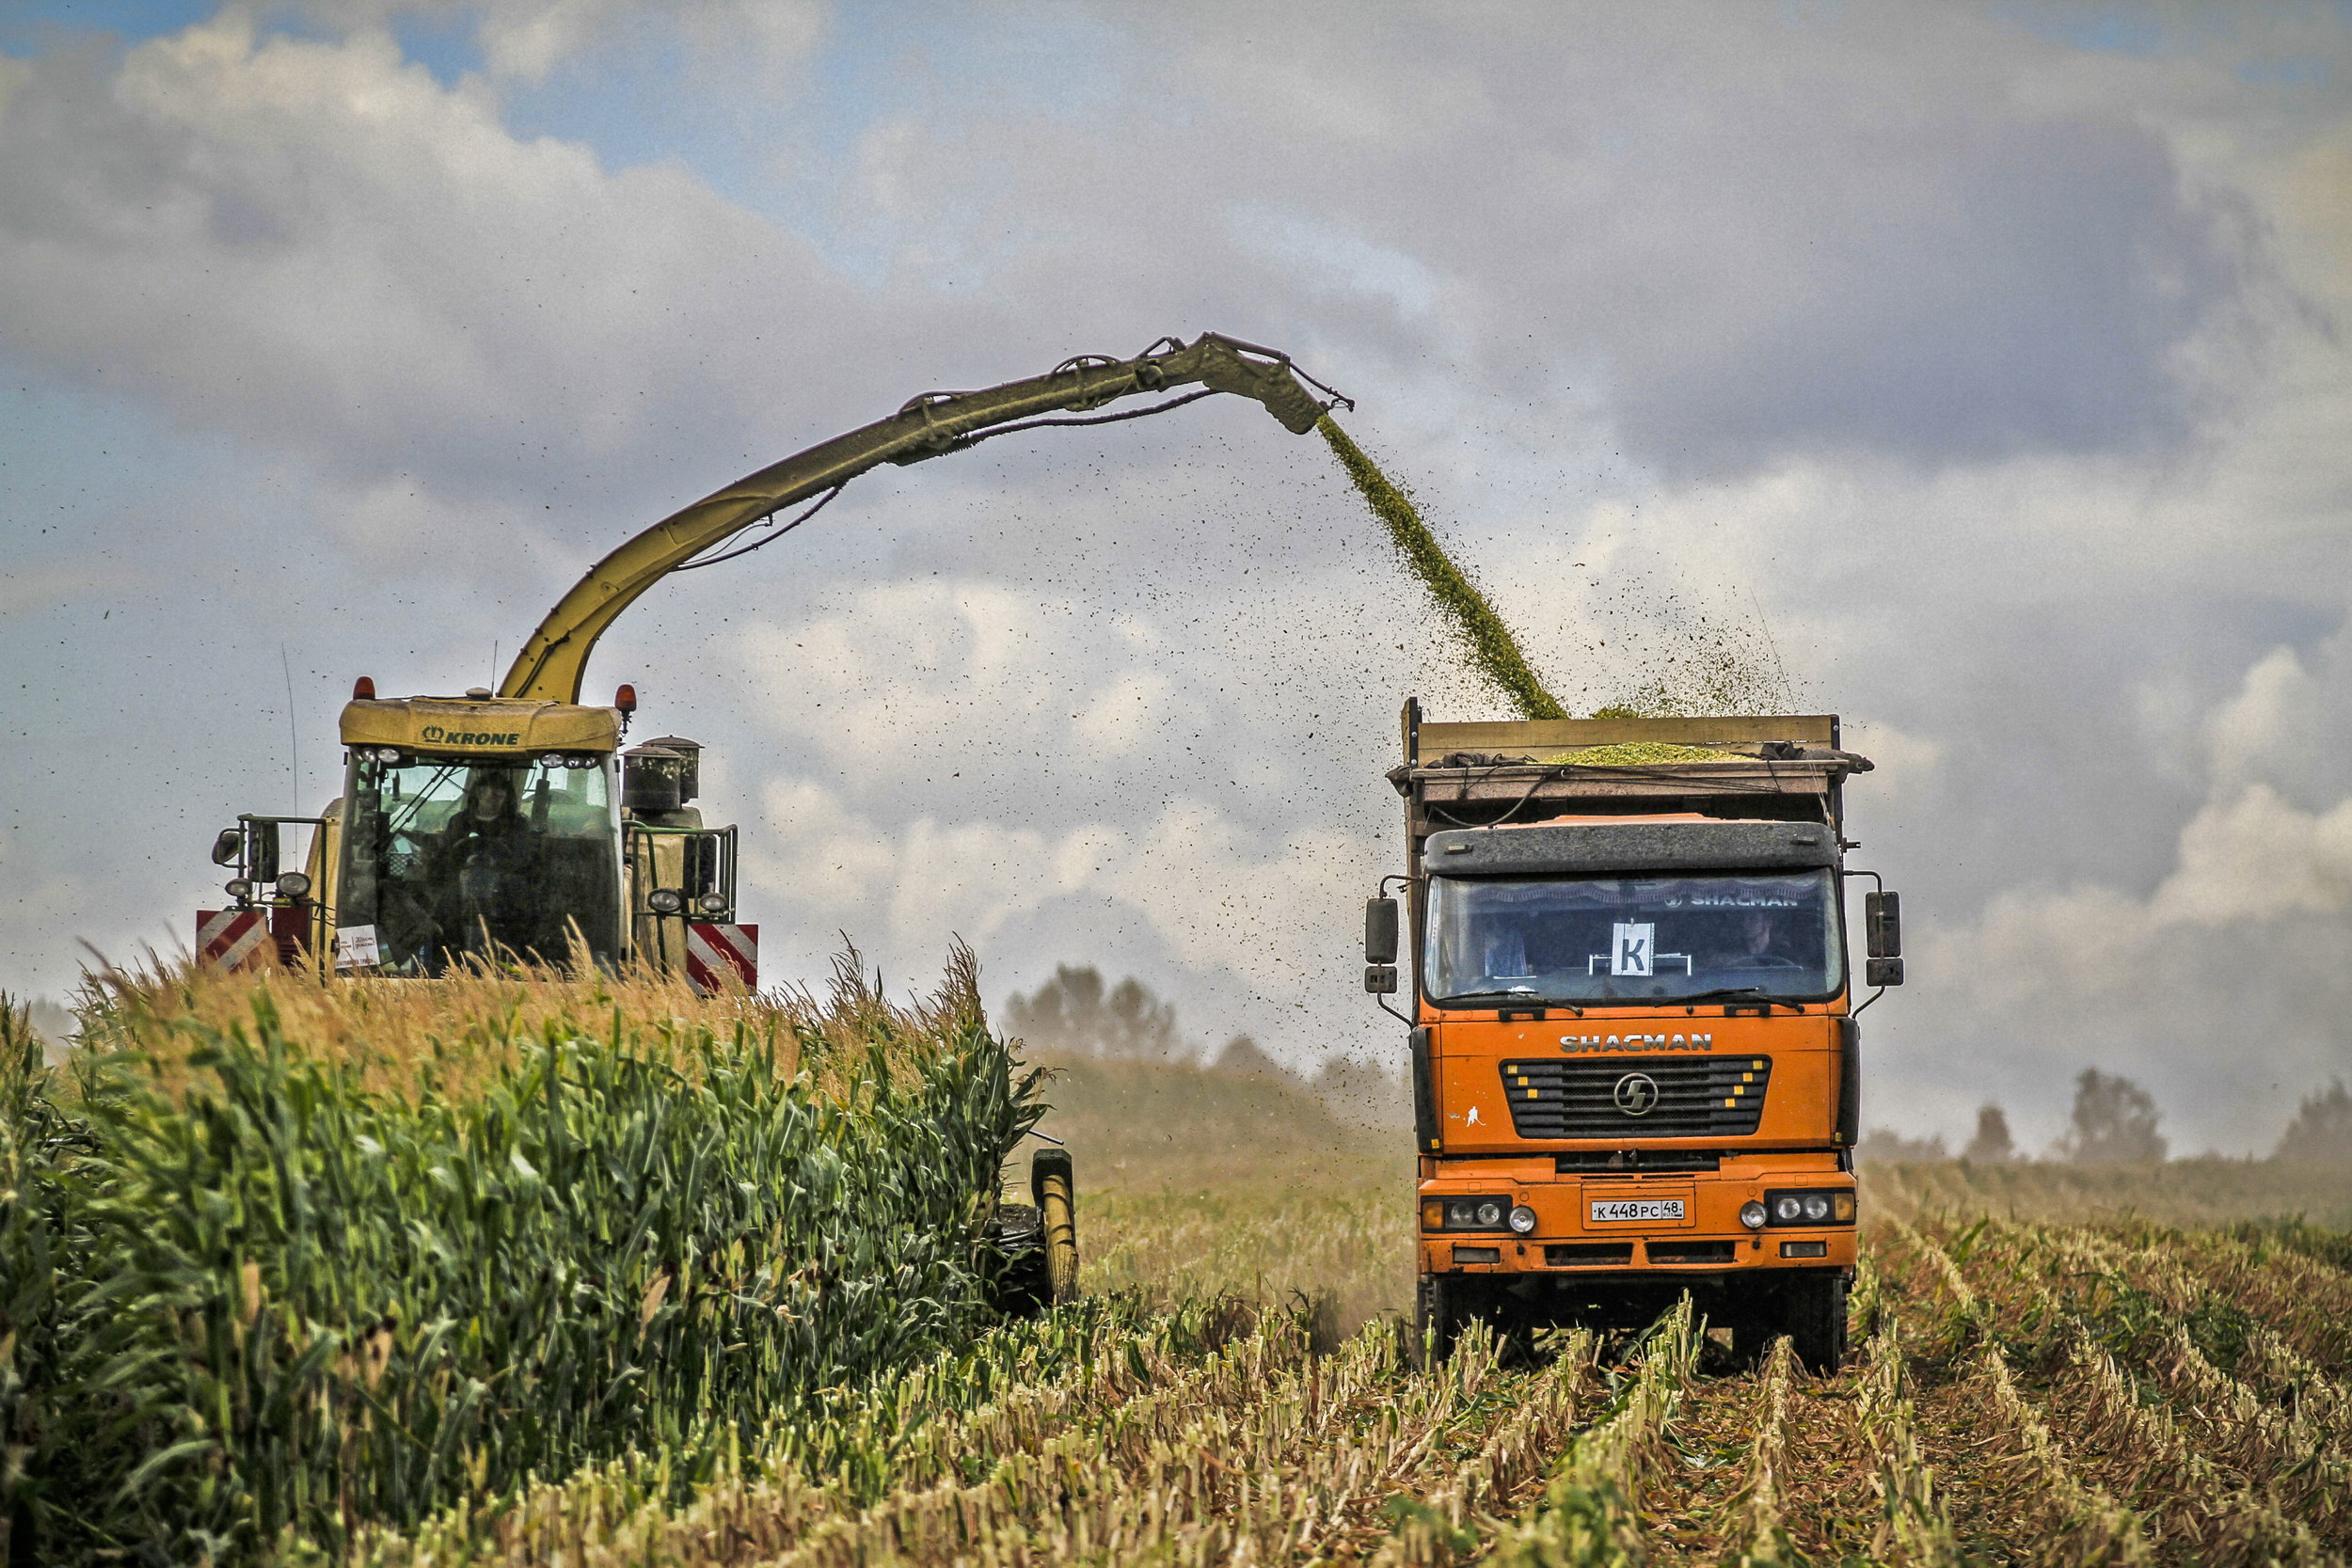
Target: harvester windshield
[447, 857]
[1633, 939]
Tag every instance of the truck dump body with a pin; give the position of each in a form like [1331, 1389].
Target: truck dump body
[1631, 1019]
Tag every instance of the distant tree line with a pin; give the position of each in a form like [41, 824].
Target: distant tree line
[1078, 1013]
[2116, 1122]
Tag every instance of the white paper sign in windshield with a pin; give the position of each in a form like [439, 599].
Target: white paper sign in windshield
[1631, 948]
[355, 948]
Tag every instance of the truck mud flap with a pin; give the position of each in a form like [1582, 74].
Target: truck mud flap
[1849, 1082]
[1424, 1102]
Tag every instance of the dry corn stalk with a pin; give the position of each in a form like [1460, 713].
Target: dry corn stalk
[2084, 1525]
[1915, 1528]
[1590, 1513]
[1761, 1532]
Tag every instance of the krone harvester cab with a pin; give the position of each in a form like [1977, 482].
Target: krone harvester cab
[482, 829]
[1636, 1066]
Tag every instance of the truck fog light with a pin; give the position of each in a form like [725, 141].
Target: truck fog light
[1804, 1250]
[1523, 1219]
[1789, 1209]
[294, 884]
[1476, 1254]
[1489, 1214]
[665, 900]
[1751, 1214]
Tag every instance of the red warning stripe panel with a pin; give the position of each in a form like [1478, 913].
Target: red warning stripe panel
[721, 958]
[234, 939]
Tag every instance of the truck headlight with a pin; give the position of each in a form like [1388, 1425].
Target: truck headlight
[1523, 1220]
[1468, 1213]
[1818, 1206]
[665, 900]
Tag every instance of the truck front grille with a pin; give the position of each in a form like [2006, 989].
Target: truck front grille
[1654, 1097]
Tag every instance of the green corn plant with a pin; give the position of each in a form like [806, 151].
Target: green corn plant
[297, 1304]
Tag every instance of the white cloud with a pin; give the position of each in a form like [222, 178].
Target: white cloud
[2004, 385]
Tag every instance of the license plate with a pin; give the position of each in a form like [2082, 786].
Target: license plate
[1608, 1211]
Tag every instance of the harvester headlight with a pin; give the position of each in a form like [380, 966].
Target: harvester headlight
[1523, 1219]
[1751, 1214]
[711, 903]
[665, 900]
[238, 888]
[385, 754]
[294, 884]
[554, 759]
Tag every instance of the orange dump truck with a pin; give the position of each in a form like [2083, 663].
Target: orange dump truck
[1636, 1068]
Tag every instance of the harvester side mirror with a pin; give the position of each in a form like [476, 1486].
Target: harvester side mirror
[700, 862]
[260, 851]
[1381, 979]
[1380, 931]
[1882, 926]
[1882, 971]
[227, 847]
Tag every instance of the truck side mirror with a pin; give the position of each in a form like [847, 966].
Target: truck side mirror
[1381, 979]
[1882, 926]
[227, 847]
[1380, 932]
[1882, 971]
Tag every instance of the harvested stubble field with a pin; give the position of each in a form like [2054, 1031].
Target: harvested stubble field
[1240, 1385]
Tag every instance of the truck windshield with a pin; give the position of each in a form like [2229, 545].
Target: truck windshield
[449, 857]
[1632, 939]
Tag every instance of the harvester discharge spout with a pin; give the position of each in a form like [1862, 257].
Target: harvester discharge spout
[552, 662]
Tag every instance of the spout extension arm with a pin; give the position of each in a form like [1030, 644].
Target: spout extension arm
[551, 663]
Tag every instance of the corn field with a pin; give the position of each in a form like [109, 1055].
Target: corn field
[696, 1285]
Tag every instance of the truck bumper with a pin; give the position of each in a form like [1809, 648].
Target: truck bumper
[1568, 1239]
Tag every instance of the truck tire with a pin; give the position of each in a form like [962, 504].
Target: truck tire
[1437, 1319]
[1813, 1315]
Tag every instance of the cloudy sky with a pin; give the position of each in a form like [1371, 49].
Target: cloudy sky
[1984, 369]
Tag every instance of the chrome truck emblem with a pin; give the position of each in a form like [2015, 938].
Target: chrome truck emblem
[1635, 1094]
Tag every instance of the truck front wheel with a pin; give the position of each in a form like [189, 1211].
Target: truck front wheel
[1438, 1317]
[1813, 1315]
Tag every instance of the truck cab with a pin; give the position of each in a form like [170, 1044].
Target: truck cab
[1635, 1064]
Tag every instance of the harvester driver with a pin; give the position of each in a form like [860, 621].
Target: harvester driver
[488, 856]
